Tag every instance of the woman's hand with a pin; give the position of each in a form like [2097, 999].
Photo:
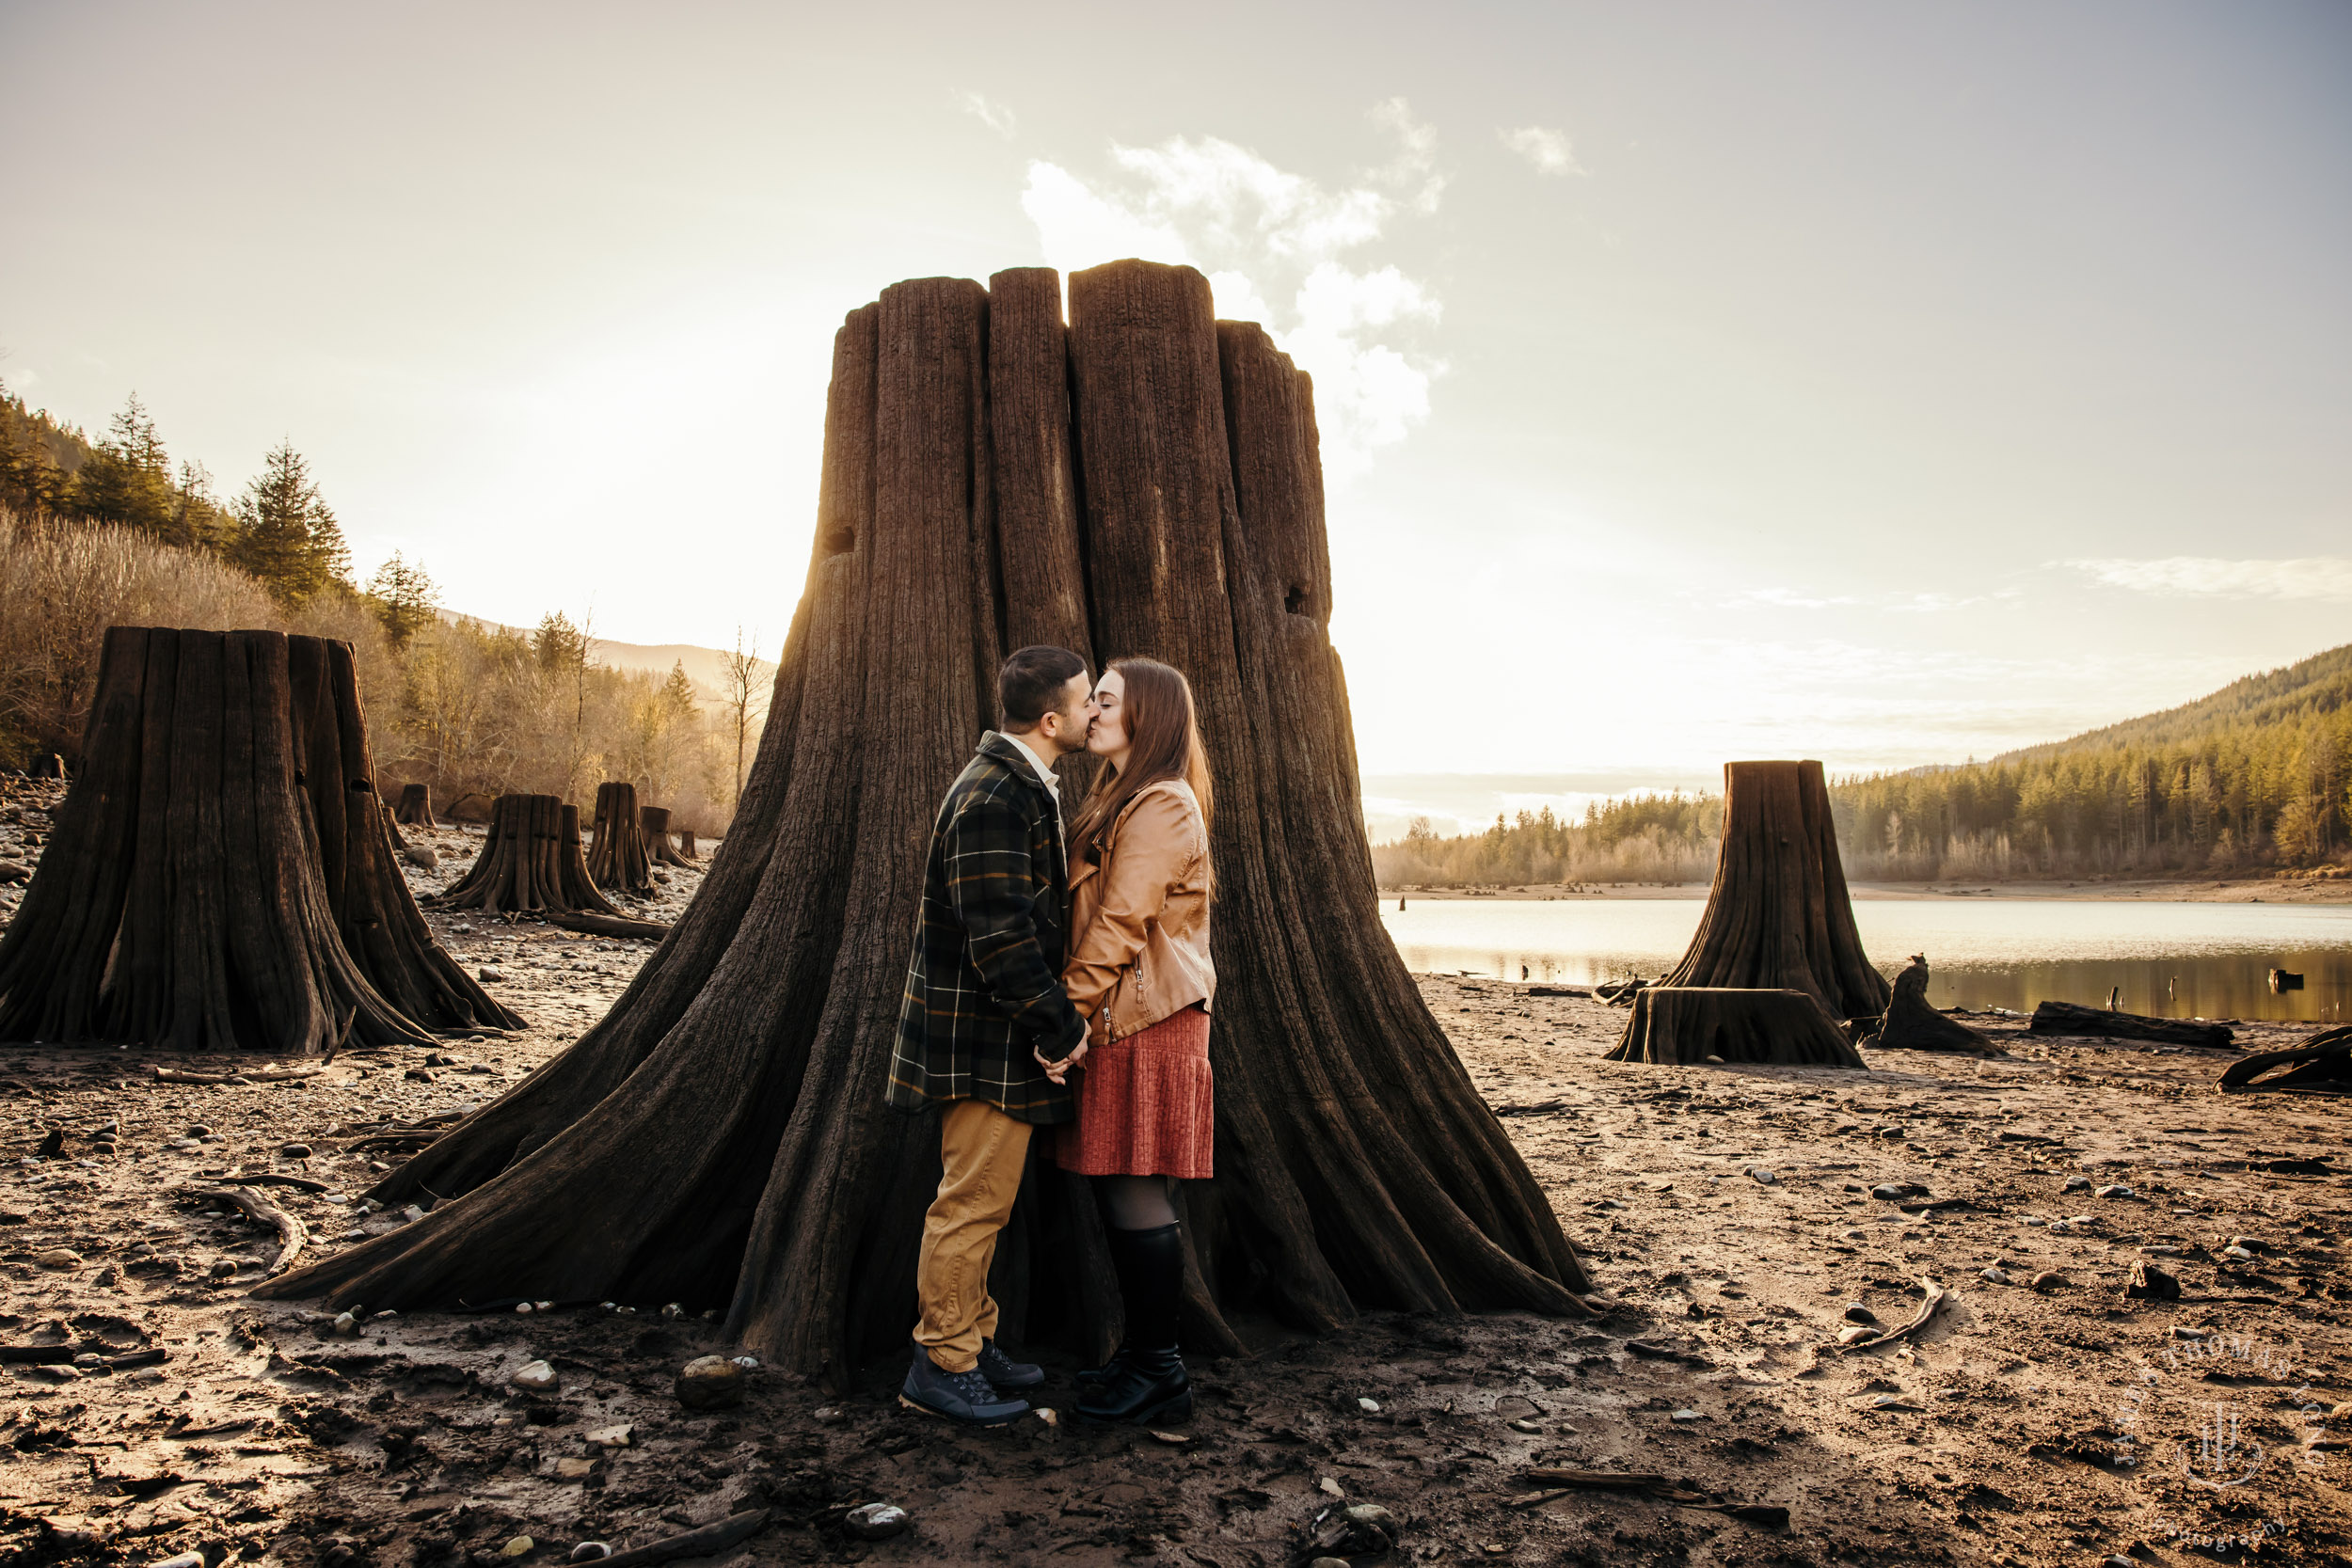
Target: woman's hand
[1056, 1071]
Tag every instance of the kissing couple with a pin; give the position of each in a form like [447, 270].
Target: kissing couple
[1063, 986]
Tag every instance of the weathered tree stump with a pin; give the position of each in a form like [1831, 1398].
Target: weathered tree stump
[530, 861]
[654, 821]
[1911, 1025]
[1684, 1025]
[2066, 1018]
[2321, 1065]
[687, 846]
[1779, 917]
[48, 765]
[619, 858]
[221, 877]
[416, 806]
[749, 1158]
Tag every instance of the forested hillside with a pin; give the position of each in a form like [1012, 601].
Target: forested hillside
[103, 534]
[2254, 777]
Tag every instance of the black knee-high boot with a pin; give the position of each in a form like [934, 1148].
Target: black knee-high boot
[1145, 1382]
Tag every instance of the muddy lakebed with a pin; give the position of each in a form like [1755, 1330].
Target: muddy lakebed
[1739, 1218]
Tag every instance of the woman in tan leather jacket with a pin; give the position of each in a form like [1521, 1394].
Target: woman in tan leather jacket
[1140, 973]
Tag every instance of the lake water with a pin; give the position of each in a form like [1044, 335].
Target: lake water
[2181, 960]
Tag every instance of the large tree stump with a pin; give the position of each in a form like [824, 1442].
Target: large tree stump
[1911, 1025]
[750, 1160]
[1779, 917]
[654, 823]
[530, 861]
[221, 877]
[416, 806]
[1684, 1025]
[618, 857]
[688, 847]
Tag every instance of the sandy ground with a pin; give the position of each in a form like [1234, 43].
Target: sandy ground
[1729, 1210]
[2235, 890]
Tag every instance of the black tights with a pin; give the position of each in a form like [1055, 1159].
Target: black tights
[1137, 1202]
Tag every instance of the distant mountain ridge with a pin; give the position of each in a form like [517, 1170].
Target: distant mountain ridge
[705, 666]
[2308, 690]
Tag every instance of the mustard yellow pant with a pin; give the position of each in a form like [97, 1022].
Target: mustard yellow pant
[982, 1151]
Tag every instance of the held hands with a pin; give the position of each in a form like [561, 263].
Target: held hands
[1057, 1071]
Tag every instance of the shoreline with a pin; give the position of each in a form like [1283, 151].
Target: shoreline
[2232, 890]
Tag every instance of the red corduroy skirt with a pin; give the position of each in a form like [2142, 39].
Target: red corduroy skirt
[1147, 1105]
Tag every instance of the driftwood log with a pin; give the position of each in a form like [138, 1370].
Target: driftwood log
[530, 861]
[619, 860]
[221, 877]
[293, 1235]
[2065, 1018]
[654, 823]
[1142, 481]
[2321, 1065]
[611, 925]
[1912, 1024]
[1779, 917]
[416, 806]
[1684, 1025]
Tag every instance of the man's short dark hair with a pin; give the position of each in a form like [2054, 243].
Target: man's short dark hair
[1029, 686]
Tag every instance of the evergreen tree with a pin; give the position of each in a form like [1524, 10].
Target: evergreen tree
[127, 480]
[285, 534]
[404, 599]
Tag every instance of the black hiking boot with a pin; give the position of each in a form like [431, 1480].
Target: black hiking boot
[1145, 1382]
[1003, 1371]
[966, 1396]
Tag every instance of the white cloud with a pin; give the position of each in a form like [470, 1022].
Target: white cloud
[1264, 235]
[20, 380]
[996, 116]
[2319, 577]
[1548, 149]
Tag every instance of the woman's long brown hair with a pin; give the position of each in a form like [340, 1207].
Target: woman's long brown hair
[1163, 742]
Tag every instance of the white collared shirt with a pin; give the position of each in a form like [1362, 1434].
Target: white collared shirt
[1053, 784]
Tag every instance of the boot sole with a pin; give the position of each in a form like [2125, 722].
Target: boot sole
[960, 1420]
[1176, 1408]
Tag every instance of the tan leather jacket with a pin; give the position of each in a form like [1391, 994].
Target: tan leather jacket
[1141, 915]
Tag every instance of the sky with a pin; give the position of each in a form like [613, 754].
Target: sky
[1884, 383]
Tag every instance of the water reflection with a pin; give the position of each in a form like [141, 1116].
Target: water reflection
[2185, 961]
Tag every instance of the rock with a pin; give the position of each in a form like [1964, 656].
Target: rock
[1686, 1414]
[1996, 1276]
[2150, 1283]
[2050, 1280]
[2241, 1253]
[589, 1551]
[519, 1546]
[2182, 1332]
[411, 1215]
[1328, 1562]
[2114, 1189]
[1893, 1191]
[1857, 1313]
[2076, 1184]
[57, 1258]
[1523, 1424]
[225, 1268]
[421, 855]
[1330, 1488]
[2249, 1243]
[490, 974]
[1768, 1177]
[12, 872]
[615, 1436]
[749, 1363]
[573, 1467]
[1854, 1235]
[294, 1151]
[59, 1373]
[831, 1416]
[672, 1310]
[1370, 1407]
[186, 1559]
[710, 1383]
[1855, 1335]
[417, 1075]
[200, 1131]
[875, 1521]
[533, 1377]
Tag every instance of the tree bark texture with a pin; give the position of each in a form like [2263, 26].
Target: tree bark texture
[1911, 1025]
[1779, 917]
[618, 857]
[2066, 1018]
[222, 876]
[1144, 481]
[529, 863]
[1684, 1025]
[416, 806]
[654, 822]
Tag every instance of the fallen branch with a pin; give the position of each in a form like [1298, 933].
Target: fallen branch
[2322, 1065]
[1937, 1296]
[695, 1543]
[256, 1075]
[293, 1235]
[1546, 1476]
[271, 1179]
[610, 926]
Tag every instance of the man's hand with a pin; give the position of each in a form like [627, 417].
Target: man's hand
[1056, 1071]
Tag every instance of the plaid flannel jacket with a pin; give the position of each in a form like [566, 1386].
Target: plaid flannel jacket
[984, 984]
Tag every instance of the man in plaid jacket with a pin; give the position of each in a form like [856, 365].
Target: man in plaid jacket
[983, 991]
